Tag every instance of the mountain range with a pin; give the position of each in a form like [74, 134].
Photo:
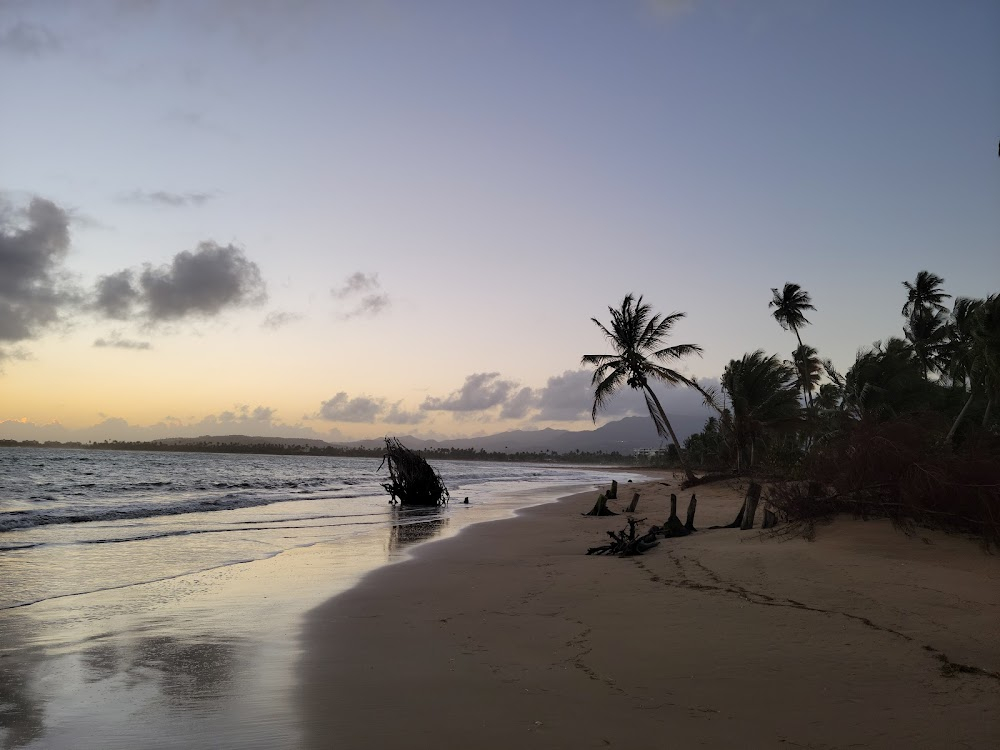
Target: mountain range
[623, 435]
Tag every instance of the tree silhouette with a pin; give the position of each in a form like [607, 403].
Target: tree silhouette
[637, 337]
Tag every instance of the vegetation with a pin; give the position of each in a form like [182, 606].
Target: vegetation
[910, 431]
[637, 337]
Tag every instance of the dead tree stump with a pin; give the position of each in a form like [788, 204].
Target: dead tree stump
[752, 492]
[753, 497]
[632, 505]
[600, 508]
[692, 505]
[673, 525]
[613, 494]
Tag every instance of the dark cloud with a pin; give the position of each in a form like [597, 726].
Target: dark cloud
[366, 287]
[115, 341]
[167, 198]
[279, 319]
[342, 408]
[200, 283]
[569, 397]
[24, 39]
[519, 404]
[117, 295]
[33, 287]
[565, 398]
[480, 391]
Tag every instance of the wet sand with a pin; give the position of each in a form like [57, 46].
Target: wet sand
[507, 635]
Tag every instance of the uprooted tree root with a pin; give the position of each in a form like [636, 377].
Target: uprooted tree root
[900, 471]
[412, 480]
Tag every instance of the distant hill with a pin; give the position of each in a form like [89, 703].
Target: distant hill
[623, 435]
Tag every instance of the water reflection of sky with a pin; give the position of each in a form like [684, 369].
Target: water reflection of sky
[200, 660]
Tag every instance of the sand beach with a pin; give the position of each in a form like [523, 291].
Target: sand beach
[509, 636]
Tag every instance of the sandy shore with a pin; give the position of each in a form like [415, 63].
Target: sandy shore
[508, 636]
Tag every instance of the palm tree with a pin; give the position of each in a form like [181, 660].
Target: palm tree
[927, 333]
[924, 294]
[790, 306]
[764, 394]
[637, 337]
[806, 361]
[978, 322]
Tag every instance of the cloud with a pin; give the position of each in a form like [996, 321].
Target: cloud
[117, 294]
[369, 306]
[569, 397]
[166, 198]
[115, 341]
[201, 283]
[357, 283]
[341, 408]
[366, 409]
[518, 405]
[398, 415]
[480, 391]
[279, 319]
[24, 39]
[34, 290]
[366, 286]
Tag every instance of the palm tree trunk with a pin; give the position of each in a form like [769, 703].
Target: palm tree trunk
[958, 420]
[986, 414]
[673, 436]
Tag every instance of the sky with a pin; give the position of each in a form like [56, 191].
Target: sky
[355, 218]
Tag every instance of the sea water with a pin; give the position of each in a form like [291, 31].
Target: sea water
[154, 599]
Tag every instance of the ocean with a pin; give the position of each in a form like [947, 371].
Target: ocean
[153, 599]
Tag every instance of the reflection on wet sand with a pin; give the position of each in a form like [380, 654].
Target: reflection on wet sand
[186, 672]
[22, 716]
[413, 525]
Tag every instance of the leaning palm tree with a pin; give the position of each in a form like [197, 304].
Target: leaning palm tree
[637, 337]
[924, 294]
[790, 305]
[764, 393]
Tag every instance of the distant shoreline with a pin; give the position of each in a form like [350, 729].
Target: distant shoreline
[594, 458]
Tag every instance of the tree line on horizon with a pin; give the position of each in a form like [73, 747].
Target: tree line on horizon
[914, 415]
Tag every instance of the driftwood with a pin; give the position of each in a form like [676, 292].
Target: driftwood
[627, 542]
[749, 504]
[600, 508]
[632, 505]
[412, 480]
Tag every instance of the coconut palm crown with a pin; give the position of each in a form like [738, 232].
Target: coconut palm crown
[637, 337]
[924, 294]
[790, 305]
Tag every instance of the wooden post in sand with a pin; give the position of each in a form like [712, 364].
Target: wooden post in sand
[613, 495]
[632, 505]
[750, 509]
[692, 505]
